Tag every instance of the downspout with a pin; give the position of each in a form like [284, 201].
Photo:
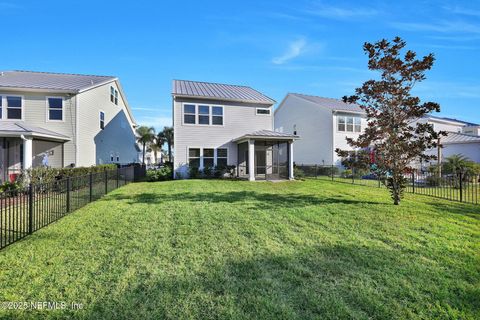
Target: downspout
[333, 135]
[77, 104]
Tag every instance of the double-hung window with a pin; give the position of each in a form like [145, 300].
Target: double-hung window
[217, 116]
[189, 114]
[208, 158]
[222, 157]
[203, 114]
[1, 106]
[194, 157]
[55, 108]
[102, 120]
[114, 95]
[349, 124]
[14, 107]
[357, 124]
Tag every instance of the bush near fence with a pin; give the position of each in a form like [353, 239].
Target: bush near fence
[30, 208]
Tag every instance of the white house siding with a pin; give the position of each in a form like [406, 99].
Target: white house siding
[340, 138]
[35, 114]
[96, 146]
[469, 150]
[53, 150]
[317, 127]
[314, 126]
[239, 119]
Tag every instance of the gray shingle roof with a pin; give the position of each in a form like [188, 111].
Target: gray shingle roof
[50, 81]
[455, 137]
[16, 128]
[218, 91]
[334, 104]
[268, 134]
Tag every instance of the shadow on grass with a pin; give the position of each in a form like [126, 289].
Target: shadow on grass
[323, 282]
[261, 200]
[461, 208]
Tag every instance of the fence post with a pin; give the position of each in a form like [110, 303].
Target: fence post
[30, 208]
[68, 193]
[106, 181]
[125, 171]
[332, 172]
[91, 186]
[353, 175]
[378, 180]
[316, 171]
[461, 186]
[413, 181]
[118, 176]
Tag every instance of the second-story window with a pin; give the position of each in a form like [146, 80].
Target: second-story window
[217, 115]
[349, 124]
[263, 111]
[102, 120]
[14, 107]
[114, 95]
[189, 113]
[203, 114]
[55, 108]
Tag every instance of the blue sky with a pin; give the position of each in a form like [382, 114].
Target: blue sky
[312, 47]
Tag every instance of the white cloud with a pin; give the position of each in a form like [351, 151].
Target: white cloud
[441, 27]
[295, 49]
[340, 13]
[145, 109]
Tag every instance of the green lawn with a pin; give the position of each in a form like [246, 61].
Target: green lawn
[230, 249]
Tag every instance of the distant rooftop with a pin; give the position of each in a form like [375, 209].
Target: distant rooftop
[453, 119]
[63, 82]
[334, 104]
[218, 91]
[455, 137]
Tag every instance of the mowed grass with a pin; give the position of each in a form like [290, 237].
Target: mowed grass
[241, 250]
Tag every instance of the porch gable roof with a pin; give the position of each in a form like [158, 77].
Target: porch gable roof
[267, 135]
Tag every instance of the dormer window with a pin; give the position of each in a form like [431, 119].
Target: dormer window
[114, 95]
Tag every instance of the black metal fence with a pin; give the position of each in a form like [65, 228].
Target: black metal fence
[461, 186]
[25, 210]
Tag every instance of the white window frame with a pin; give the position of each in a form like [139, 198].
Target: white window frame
[217, 157]
[114, 95]
[355, 124]
[345, 124]
[48, 108]
[263, 114]
[200, 156]
[100, 119]
[5, 107]
[197, 114]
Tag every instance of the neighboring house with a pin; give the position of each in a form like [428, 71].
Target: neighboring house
[220, 124]
[462, 137]
[323, 124]
[61, 120]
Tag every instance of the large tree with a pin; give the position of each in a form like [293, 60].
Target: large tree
[145, 136]
[393, 131]
[167, 135]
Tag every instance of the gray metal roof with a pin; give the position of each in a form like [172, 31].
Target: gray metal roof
[62, 82]
[218, 91]
[455, 137]
[453, 120]
[268, 134]
[334, 104]
[17, 129]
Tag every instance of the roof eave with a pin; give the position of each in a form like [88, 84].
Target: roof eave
[30, 89]
[270, 103]
[18, 134]
[271, 138]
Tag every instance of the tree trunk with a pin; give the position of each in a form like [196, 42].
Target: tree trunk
[169, 152]
[143, 156]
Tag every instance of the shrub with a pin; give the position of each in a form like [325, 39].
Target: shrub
[162, 174]
[10, 187]
[208, 172]
[194, 172]
[298, 173]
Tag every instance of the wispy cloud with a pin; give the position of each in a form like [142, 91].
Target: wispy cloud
[441, 27]
[463, 11]
[157, 122]
[336, 12]
[145, 109]
[440, 89]
[295, 49]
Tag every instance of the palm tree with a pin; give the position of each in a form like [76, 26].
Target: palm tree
[167, 135]
[455, 163]
[145, 135]
[159, 142]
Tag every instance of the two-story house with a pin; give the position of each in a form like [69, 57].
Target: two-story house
[323, 124]
[58, 120]
[220, 124]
